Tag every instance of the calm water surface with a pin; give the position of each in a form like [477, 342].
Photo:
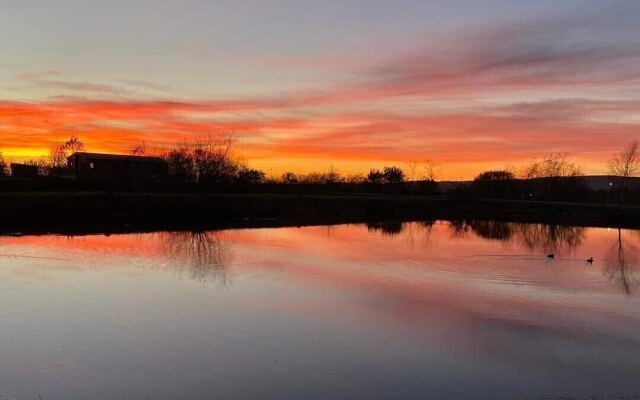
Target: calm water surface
[444, 310]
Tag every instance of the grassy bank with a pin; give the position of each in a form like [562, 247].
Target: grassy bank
[93, 210]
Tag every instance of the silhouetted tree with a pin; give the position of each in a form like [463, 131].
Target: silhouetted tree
[430, 170]
[73, 145]
[180, 164]
[208, 163]
[496, 184]
[139, 150]
[625, 165]
[554, 177]
[332, 176]
[375, 176]
[354, 179]
[212, 162]
[322, 178]
[4, 168]
[393, 175]
[424, 170]
[60, 152]
[58, 156]
[43, 167]
[492, 176]
[289, 178]
[552, 166]
[412, 170]
[250, 176]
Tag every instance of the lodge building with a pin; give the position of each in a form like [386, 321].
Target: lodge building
[116, 167]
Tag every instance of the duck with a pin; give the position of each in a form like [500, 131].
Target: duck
[550, 256]
[590, 260]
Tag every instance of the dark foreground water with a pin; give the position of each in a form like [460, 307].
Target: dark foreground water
[388, 311]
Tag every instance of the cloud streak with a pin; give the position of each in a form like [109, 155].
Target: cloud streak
[51, 80]
[493, 134]
[501, 94]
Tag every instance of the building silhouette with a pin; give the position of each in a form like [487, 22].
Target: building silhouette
[24, 170]
[116, 167]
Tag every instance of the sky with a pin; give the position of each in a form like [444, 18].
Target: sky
[316, 85]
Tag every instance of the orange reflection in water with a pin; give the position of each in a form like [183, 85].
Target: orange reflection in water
[481, 295]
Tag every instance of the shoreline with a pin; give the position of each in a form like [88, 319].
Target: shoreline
[101, 212]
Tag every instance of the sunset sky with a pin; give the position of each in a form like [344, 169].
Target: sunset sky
[311, 85]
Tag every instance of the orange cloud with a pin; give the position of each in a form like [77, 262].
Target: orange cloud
[471, 101]
[352, 140]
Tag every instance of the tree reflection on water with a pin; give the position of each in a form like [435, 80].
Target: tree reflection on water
[458, 228]
[495, 230]
[539, 237]
[390, 228]
[394, 228]
[201, 256]
[620, 262]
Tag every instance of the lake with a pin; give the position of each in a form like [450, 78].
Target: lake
[415, 310]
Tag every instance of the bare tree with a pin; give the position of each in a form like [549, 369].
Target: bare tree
[58, 156]
[620, 259]
[251, 176]
[554, 177]
[393, 174]
[289, 178]
[209, 162]
[139, 149]
[4, 170]
[180, 164]
[73, 145]
[552, 166]
[354, 178]
[626, 163]
[421, 170]
[60, 152]
[375, 176]
[430, 170]
[412, 170]
[331, 176]
[41, 164]
[201, 256]
[212, 160]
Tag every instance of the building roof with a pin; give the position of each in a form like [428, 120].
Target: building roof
[20, 165]
[123, 157]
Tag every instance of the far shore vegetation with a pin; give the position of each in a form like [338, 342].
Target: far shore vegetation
[212, 165]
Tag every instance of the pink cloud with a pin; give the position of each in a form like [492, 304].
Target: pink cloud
[470, 98]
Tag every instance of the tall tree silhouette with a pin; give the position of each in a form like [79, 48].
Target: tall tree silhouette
[4, 170]
[625, 165]
[621, 257]
[60, 152]
[139, 150]
[393, 175]
[73, 145]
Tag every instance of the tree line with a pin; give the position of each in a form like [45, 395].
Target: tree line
[213, 162]
[556, 177]
[210, 162]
